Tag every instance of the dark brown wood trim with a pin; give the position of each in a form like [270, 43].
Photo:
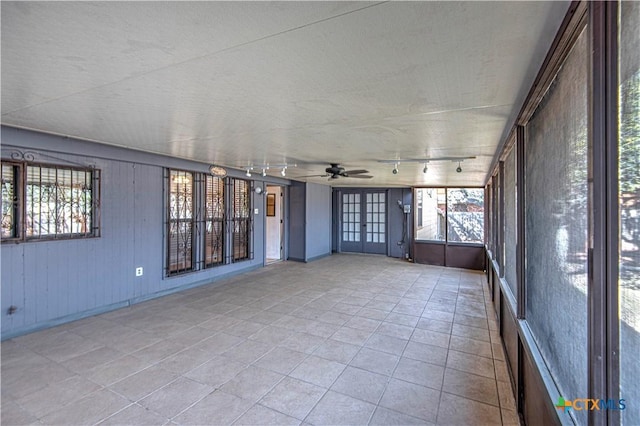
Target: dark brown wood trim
[570, 29]
[520, 220]
[603, 298]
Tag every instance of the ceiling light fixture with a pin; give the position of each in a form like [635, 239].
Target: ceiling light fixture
[266, 166]
[425, 169]
[395, 169]
[425, 160]
[459, 169]
[217, 171]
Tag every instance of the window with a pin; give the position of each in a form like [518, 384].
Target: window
[179, 252]
[208, 223]
[431, 213]
[241, 219]
[9, 201]
[48, 202]
[453, 215]
[58, 202]
[465, 215]
[214, 221]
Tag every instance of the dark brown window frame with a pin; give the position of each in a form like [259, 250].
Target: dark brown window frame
[446, 240]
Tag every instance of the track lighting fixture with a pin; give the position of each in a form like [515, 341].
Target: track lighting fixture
[424, 161]
[263, 167]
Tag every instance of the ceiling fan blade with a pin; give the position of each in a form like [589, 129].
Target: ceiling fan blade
[360, 176]
[356, 172]
[310, 176]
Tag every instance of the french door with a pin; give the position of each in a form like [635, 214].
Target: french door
[363, 217]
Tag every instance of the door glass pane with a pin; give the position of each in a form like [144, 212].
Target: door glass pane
[351, 217]
[556, 225]
[629, 220]
[375, 221]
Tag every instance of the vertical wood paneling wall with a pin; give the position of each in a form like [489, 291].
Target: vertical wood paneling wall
[52, 282]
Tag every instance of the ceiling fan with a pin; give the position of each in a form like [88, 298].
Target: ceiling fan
[335, 171]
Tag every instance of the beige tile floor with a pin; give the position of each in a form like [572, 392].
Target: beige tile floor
[349, 339]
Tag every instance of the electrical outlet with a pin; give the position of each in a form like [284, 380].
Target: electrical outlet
[139, 271]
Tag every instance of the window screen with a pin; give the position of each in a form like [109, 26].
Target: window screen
[629, 220]
[510, 229]
[557, 224]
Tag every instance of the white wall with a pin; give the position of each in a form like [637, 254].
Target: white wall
[274, 237]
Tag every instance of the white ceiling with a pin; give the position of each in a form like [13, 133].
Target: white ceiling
[241, 83]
